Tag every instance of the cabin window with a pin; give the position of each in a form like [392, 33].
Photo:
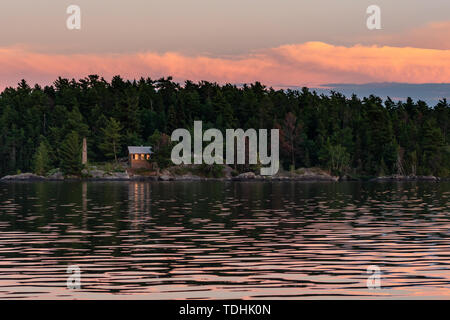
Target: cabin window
[140, 156]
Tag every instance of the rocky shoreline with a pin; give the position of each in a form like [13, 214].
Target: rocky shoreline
[406, 178]
[176, 174]
[307, 175]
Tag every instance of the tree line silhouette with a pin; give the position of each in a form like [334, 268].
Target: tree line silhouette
[42, 128]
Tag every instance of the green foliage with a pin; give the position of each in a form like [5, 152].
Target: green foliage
[333, 131]
[202, 170]
[70, 154]
[433, 149]
[162, 148]
[234, 173]
[42, 161]
[335, 158]
[211, 170]
[110, 168]
[290, 138]
[111, 139]
[53, 171]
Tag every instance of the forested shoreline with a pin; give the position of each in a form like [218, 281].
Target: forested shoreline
[41, 128]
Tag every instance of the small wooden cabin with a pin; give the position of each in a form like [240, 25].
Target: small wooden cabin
[138, 157]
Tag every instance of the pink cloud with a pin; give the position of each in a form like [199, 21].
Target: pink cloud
[311, 63]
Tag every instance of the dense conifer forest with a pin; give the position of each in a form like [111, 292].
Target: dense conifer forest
[42, 128]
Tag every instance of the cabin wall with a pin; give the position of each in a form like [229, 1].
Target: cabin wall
[138, 164]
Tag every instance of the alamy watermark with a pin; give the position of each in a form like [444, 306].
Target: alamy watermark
[237, 141]
[74, 279]
[374, 20]
[374, 280]
[73, 22]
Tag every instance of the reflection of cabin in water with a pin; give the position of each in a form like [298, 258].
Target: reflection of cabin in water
[138, 202]
[138, 157]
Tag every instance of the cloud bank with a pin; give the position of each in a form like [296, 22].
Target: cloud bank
[305, 64]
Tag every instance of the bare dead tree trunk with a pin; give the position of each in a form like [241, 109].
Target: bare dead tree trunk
[84, 154]
[115, 153]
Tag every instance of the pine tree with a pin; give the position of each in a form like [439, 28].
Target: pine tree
[335, 158]
[111, 139]
[172, 122]
[290, 137]
[433, 147]
[70, 154]
[42, 160]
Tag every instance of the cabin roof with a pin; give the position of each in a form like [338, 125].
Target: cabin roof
[141, 150]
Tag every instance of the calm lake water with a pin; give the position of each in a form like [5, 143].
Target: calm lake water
[252, 240]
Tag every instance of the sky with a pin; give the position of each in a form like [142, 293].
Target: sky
[284, 43]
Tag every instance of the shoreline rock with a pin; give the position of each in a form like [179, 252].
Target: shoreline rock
[23, 177]
[405, 178]
[165, 177]
[245, 176]
[307, 175]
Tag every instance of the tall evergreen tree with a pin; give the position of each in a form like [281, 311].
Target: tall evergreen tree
[42, 158]
[70, 154]
[111, 138]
